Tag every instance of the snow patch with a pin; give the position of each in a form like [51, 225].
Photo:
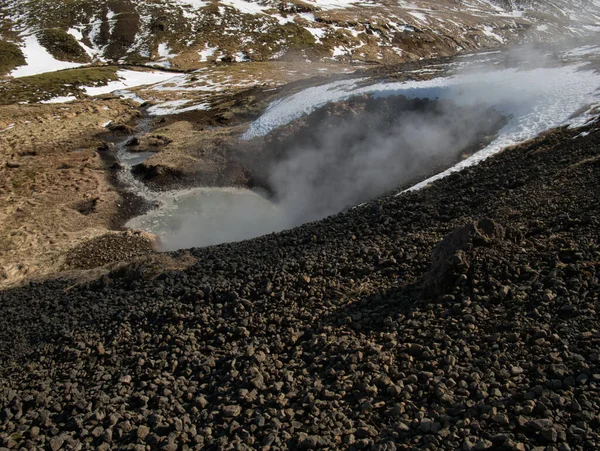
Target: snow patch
[489, 31]
[93, 53]
[207, 53]
[193, 4]
[419, 16]
[582, 135]
[39, 60]
[175, 107]
[339, 4]
[340, 51]
[246, 7]
[164, 51]
[318, 33]
[110, 18]
[127, 94]
[129, 79]
[60, 99]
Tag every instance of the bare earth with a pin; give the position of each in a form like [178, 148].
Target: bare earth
[55, 189]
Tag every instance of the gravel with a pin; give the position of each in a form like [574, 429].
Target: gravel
[462, 316]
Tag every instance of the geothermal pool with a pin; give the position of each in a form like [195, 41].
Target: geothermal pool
[533, 98]
[207, 216]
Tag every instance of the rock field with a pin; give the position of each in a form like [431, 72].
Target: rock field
[460, 316]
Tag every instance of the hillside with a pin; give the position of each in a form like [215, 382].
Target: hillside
[299, 224]
[183, 34]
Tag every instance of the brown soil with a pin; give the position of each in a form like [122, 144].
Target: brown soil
[56, 191]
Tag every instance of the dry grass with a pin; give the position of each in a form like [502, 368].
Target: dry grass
[48, 166]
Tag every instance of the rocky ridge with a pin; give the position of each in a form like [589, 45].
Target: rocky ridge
[183, 34]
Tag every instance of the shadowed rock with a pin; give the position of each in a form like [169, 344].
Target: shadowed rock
[452, 256]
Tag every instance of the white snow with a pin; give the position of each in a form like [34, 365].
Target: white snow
[164, 51]
[94, 35]
[318, 33]
[190, 8]
[165, 54]
[283, 20]
[166, 107]
[535, 101]
[240, 57]
[60, 99]
[129, 79]
[194, 4]
[126, 94]
[94, 53]
[39, 60]
[419, 16]
[110, 18]
[206, 53]
[340, 51]
[582, 135]
[489, 31]
[175, 107]
[339, 4]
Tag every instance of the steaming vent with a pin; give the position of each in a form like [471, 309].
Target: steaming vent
[342, 154]
[352, 151]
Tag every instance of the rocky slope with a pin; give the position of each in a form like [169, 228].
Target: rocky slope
[461, 316]
[185, 33]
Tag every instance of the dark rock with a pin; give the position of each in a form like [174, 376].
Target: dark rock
[231, 411]
[451, 257]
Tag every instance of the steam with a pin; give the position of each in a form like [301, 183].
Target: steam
[353, 160]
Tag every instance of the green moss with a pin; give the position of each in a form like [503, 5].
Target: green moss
[52, 84]
[10, 57]
[288, 38]
[62, 45]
